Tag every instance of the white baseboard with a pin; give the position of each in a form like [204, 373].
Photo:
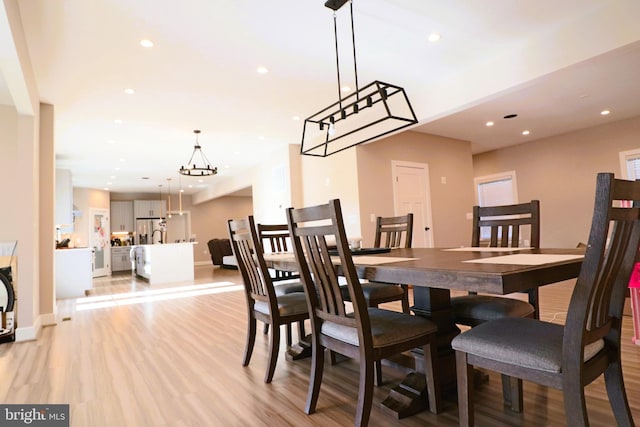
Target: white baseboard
[201, 263]
[29, 333]
[49, 319]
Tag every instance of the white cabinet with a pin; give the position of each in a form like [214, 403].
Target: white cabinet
[120, 258]
[122, 216]
[150, 208]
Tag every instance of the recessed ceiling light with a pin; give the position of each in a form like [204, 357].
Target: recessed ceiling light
[105, 189]
[434, 37]
[227, 166]
[237, 153]
[489, 124]
[346, 88]
[296, 117]
[525, 132]
[117, 169]
[111, 141]
[261, 138]
[190, 186]
[605, 112]
[146, 43]
[118, 121]
[122, 160]
[262, 70]
[112, 177]
[129, 91]
[109, 183]
[510, 116]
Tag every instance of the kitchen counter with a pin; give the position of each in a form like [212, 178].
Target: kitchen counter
[165, 263]
[73, 272]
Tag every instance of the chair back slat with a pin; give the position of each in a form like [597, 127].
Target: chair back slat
[506, 223]
[318, 269]
[597, 301]
[254, 271]
[395, 232]
[276, 235]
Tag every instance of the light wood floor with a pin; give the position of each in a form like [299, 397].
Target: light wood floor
[177, 362]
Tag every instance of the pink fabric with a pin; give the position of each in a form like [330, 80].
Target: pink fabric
[634, 282]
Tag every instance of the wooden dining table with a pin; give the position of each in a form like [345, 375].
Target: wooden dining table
[434, 273]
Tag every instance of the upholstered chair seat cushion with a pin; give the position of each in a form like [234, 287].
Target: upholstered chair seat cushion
[514, 341]
[288, 288]
[387, 328]
[288, 304]
[482, 308]
[375, 291]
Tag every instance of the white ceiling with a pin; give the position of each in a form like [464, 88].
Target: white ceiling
[556, 63]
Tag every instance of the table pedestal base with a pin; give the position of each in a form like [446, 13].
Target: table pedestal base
[408, 398]
[298, 351]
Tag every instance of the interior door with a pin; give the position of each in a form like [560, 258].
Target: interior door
[99, 235]
[411, 193]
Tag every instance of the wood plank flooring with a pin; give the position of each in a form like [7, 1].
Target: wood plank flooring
[173, 358]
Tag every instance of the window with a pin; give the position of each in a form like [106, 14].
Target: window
[495, 190]
[630, 164]
[498, 189]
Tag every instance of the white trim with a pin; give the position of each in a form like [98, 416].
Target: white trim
[199, 263]
[497, 177]
[49, 319]
[624, 156]
[29, 333]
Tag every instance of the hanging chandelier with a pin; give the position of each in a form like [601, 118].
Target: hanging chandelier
[370, 112]
[198, 164]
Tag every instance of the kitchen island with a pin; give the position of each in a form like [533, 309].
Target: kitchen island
[165, 263]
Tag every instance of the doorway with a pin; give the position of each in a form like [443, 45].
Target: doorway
[99, 234]
[412, 194]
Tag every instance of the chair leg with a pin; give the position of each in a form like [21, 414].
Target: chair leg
[251, 339]
[430, 352]
[464, 373]
[289, 339]
[365, 392]
[301, 333]
[534, 300]
[512, 391]
[317, 367]
[405, 299]
[274, 347]
[378, 373]
[575, 405]
[617, 394]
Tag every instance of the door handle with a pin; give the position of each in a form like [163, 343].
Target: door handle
[427, 229]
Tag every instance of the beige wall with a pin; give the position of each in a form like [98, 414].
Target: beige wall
[450, 202]
[560, 172]
[333, 177]
[209, 220]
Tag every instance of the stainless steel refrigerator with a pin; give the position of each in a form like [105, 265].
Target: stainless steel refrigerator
[150, 231]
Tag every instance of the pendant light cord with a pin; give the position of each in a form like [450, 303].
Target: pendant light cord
[355, 65]
[335, 33]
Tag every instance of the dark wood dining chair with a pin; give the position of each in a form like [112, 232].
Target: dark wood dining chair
[568, 357]
[262, 302]
[391, 232]
[505, 223]
[275, 238]
[366, 334]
